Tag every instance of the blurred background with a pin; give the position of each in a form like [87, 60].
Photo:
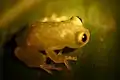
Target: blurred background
[100, 57]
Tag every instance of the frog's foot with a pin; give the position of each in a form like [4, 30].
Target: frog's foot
[71, 58]
[48, 68]
[68, 57]
[66, 61]
[59, 58]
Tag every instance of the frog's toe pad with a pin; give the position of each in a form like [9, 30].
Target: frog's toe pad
[48, 68]
[71, 58]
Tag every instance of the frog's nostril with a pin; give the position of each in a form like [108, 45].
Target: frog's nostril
[80, 18]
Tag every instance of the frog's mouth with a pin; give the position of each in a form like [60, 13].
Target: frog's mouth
[66, 50]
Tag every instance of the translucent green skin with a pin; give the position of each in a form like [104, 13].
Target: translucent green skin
[50, 36]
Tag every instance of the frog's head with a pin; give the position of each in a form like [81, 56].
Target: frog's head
[81, 34]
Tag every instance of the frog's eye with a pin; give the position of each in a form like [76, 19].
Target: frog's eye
[82, 37]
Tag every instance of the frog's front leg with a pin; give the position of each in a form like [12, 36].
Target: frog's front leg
[59, 58]
[67, 57]
[33, 58]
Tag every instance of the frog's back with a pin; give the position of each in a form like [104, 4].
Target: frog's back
[52, 33]
[42, 31]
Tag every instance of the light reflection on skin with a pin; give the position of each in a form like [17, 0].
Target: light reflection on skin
[16, 11]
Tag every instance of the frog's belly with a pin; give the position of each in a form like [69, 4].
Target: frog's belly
[44, 44]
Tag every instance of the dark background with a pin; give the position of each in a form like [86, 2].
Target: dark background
[100, 59]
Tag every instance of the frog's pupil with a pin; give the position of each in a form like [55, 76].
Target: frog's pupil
[84, 37]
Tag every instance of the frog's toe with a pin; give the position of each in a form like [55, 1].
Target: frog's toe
[47, 70]
[70, 58]
[67, 65]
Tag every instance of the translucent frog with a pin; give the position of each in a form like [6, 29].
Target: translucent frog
[48, 37]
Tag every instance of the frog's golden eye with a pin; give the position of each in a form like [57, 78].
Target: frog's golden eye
[82, 37]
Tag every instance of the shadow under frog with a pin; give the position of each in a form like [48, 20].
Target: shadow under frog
[48, 37]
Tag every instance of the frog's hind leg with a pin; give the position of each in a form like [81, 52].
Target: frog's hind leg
[30, 57]
[33, 58]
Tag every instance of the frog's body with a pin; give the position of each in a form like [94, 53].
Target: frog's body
[50, 36]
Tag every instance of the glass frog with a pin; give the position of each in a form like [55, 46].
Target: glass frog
[48, 37]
